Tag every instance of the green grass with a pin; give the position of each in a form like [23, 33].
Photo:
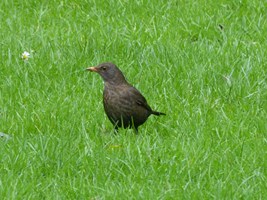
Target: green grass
[203, 63]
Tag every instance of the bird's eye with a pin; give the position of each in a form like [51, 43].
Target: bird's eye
[104, 68]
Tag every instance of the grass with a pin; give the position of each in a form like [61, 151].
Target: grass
[201, 62]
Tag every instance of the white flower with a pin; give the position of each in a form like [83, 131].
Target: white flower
[25, 55]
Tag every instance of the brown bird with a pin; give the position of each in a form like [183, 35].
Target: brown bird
[124, 105]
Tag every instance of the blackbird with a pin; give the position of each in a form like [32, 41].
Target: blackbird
[124, 105]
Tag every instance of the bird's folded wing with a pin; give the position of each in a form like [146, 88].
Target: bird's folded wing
[139, 98]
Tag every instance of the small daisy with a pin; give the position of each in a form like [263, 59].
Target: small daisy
[25, 55]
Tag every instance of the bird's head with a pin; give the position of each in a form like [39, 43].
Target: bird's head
[109, 72]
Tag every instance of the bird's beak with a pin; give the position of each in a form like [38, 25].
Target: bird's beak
[92, 69]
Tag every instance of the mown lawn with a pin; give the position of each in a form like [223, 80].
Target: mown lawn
[201, 62]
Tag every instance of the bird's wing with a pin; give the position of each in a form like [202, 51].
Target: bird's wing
[138, 98]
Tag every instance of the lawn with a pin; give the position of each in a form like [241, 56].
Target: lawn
[203, 63]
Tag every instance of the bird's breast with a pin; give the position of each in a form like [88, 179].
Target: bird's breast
[116, 99]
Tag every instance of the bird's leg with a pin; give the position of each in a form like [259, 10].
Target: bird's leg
[116, 129]
[135, 130]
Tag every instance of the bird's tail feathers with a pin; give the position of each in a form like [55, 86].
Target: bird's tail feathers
[157, 113]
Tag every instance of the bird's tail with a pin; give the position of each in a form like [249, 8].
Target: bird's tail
[157, 113]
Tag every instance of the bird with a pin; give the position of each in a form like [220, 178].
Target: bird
[124, 105]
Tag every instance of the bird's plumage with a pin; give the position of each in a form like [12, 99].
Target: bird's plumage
[124, 105]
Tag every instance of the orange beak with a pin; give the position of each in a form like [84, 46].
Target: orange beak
[92, 69]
